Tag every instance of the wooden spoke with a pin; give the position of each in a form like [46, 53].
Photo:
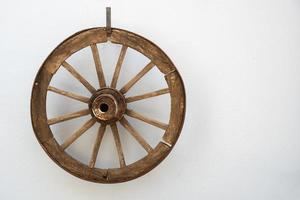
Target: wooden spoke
[97, 144]
[147, 95]
[137, 77]
[118, 67]
[153, 122]
[115, 132]
[135, 134]
[76, 75]
[69, 94]
[78, 133]
[69, 116]
[98, 65]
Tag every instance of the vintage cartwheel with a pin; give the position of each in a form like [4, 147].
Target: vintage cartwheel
[106, 105]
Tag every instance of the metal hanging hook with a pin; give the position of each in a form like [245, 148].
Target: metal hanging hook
[108, 21]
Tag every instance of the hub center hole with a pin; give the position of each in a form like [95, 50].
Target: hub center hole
[103, 107]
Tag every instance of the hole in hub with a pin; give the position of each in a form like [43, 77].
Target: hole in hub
[103, 107]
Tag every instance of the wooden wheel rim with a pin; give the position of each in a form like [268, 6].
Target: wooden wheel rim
[42, 129]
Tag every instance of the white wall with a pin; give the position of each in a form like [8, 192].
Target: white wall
[240, 61]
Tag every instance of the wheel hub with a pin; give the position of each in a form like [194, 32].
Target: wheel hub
[107, 105]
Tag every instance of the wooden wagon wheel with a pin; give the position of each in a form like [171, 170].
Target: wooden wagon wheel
[107, 105]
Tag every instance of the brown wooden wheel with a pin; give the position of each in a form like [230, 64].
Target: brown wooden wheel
[106, 105]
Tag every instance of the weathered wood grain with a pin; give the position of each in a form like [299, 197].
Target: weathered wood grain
[78, 133]
[98, 65]
[97, 144]
[135, 134]
[115, 132]
[148, 120]
[137, 77]
[80, 78]
[118, 67]
[147, 95]
[69, 116]
[69, 94]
